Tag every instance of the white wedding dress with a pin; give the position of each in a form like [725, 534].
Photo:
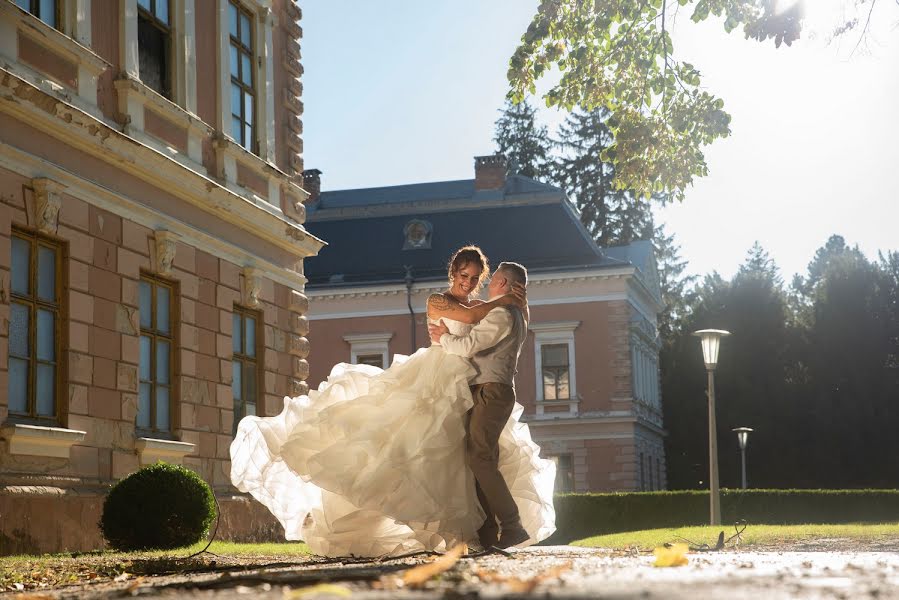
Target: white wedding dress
[373, 462]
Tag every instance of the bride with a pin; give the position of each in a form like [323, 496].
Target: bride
[372, 463]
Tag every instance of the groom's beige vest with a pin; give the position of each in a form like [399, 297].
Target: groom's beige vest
[499, 363]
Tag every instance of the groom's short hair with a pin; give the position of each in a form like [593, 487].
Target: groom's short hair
[514, 272]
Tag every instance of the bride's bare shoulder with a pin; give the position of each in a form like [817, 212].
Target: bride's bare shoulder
[441, 300]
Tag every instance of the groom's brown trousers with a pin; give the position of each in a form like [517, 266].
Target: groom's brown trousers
[493, 403]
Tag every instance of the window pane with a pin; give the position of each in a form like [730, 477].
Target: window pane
[236, 333]
[375, 360]
[143, 405]
[48, 12]
[24, 4]
[250, 409]
[236, 101]
[555, 355]
[245, 29]
[234, 62]
[145, 352]
[237, 129]
[563, 386]
[163, 296]
[246, 69]
[162, 408]
[549, 384]
[249, 373]
[232, 19]
[21, 266]
[46, 390]
[145, 4]
[145, 295]
[162, 10]
[46, 274]
[18, 385]
[46, 335]
[250, 338]
[236, 389]
[152, 55]
[18, 330]
[162, 362]
[247, 141]
[248, 113]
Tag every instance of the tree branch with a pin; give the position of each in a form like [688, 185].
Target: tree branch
[865, 28]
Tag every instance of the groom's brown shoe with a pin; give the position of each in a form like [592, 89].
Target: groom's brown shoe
[488, 535]
[512, 537]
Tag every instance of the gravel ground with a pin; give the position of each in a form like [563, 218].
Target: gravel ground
[546, 572]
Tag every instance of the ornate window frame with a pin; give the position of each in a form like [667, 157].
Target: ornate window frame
[555, 332]
[369, 343]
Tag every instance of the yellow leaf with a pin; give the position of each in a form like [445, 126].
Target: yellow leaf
[445, 562]
[675, 556]
[321, 589]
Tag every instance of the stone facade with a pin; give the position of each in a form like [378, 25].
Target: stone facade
[126, 185]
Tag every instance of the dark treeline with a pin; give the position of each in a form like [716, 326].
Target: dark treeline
[812, 367]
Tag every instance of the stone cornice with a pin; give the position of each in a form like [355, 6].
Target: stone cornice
[54, 116]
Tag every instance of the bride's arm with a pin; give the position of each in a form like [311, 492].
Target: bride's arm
[442, 305]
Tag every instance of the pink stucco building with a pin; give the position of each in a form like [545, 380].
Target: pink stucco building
[151, 248]
[588, 374]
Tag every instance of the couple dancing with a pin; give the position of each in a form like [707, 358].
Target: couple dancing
[420, 456]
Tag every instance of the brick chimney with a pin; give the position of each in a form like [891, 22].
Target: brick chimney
[312, 183]
[490, 172]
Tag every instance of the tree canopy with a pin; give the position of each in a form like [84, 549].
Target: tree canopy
[618, 55]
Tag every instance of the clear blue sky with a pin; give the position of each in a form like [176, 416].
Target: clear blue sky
[404, 91]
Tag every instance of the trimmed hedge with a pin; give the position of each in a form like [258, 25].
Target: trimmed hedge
[158, 507]
[584, 515]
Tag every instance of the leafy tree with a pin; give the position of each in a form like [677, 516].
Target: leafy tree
[618, 55]
[526, 145]
[611, 215]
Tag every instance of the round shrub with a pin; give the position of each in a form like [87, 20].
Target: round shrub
[159, 507]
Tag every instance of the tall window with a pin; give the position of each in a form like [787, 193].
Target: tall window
[154, 34]
[34, 323]
[243, 94]
[45, 10]
[245, 363]
[156, 354]
[564, 473]
[555, 372]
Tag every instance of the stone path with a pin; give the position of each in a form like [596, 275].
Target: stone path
[546, 572]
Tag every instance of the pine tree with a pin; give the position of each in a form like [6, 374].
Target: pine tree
[611, 216]
[525, 145]
[676, 288]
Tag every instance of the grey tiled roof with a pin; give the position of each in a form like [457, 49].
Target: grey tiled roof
[527, 222]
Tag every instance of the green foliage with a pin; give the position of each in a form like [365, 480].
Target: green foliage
[813, 369]
[582, 515]
[618, 55]
[158, 507]
[525, 144]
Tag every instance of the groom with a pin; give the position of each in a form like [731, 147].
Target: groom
[493, 345]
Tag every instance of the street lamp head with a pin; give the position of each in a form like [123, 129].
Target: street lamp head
[711, 341]
[742, 436]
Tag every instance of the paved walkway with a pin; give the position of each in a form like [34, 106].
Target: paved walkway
[554, 572]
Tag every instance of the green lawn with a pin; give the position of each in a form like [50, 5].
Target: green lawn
[754, 535]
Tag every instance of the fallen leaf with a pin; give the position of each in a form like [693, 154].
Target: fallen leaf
[420, 574]
[524, 585]
[675, 556]
[323, 589]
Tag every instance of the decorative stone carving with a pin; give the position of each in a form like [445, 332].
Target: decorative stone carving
[300, 368]
[47, 202]
[417, 233]
[298, 302]
[299, 346]
[298, 388]
[299, 324]
[165, 251]
[292, 204]
[252, 286]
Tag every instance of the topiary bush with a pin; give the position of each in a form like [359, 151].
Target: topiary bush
[159, 507]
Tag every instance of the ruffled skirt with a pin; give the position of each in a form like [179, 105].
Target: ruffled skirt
[373, 462]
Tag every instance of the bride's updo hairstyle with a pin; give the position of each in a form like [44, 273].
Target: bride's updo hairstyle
[468, 255]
